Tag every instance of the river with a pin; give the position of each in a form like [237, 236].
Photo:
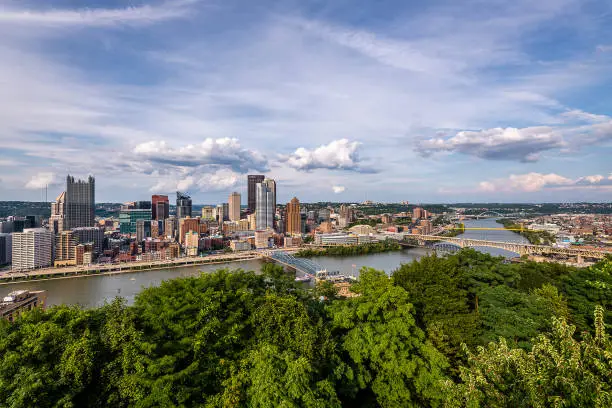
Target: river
[91, 291]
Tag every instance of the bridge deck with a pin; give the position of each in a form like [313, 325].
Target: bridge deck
[519, 248]
[303, 265]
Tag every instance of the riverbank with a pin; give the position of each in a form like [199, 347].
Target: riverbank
[115, 269]
[534, 237]
[350, 250]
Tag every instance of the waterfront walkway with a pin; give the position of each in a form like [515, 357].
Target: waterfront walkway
[107, 269]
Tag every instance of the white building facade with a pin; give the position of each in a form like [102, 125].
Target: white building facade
[32, 248]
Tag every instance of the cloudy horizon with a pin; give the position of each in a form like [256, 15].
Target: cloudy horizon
[347, 101]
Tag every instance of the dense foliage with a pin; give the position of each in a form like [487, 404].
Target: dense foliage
[344, 250]
[464, 330]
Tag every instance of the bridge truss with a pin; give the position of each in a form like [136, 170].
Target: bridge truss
[521, 249]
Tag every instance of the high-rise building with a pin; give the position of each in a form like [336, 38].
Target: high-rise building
[208, 213]
[183, 205]
[252, 222]
[32, 248]
[128, 219]
[294, 221]
[65, 253]
[90, 235]
[170, 227]
[234, 206]
[58, 211]
[192, 240]
[6, 248]
[188, 225]
[418, 213]
[143, 230]
[79, 203]
[160, 209]
[345, 217]
[264, 213]
[272, 186]
[253, 180]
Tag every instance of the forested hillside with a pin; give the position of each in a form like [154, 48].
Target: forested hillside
[464, 330]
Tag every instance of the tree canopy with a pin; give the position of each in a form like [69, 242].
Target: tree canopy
[461, 330]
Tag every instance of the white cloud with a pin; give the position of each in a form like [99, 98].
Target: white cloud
[339, 154]
[532, 182]
[224, 152]
[338, 189]
[579, 115]
[497, 144]
[221, 180]
[96, 17]
[41, 180]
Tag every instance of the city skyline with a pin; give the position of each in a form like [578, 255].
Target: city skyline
[380, 101]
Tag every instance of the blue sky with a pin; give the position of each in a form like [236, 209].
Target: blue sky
[430, 101]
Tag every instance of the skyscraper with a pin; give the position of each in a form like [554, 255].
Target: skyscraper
[234, 206]
[265, 200]
[79, 203]
[253, 180]
[56, 221]
[294, 225]
[32, 248]
[160, 207]
[183, 205]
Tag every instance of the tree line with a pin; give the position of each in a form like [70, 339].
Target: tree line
[461, 330]
[347, 250]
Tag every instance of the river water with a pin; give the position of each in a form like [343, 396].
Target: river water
[91, 291]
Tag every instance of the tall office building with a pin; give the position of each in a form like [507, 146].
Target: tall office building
[79, 203]
[208, 213]
[170, 227]
[294, 220]
[6, 248]
[129, 218]
[90, 235]
[32, 248]
[183, 205]
[234, 206]
[65, 249]
[188, 225]
[272, 186]
[265, 199]
[160, 207]
[56, 221]
[253, 180]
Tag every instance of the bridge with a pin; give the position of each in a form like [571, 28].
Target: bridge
[490, 214]
[519, 248]
[303, 265]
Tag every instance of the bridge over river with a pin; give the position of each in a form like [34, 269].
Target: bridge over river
[303, 265]
[519, 248]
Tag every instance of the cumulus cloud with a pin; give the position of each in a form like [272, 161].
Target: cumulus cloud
[212, 165]
[532, 182]
[523, 144]
[223, 152]
[338, 189]
[41, 180]
[218, 181]
[340, 154]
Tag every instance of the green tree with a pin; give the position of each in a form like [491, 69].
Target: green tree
[390, 363]
[559, 371]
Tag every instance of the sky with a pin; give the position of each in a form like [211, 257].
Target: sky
[388, 100]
